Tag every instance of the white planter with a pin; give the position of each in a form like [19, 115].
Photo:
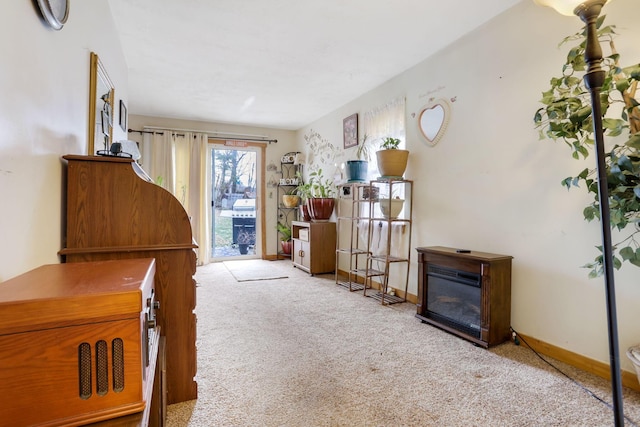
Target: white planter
[391, 208]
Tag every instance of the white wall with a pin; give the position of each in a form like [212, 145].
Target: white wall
[44, 81]
[491, 185]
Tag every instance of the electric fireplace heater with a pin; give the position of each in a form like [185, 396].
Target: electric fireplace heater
[466, 293]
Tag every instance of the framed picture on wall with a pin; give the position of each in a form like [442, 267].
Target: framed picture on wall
[350, 131]
[123, 116]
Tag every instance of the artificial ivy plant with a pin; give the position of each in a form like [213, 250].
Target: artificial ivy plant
[566, 116]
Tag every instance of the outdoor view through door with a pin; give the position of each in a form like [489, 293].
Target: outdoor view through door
[234, 200]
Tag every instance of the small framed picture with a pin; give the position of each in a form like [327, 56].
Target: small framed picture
[350, 131]
[123, 116]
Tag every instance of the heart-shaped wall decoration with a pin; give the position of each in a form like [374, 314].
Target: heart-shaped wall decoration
[433, 120]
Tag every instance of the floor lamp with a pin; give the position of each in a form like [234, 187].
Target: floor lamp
[588, 11]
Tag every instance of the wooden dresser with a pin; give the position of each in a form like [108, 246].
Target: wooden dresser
[115, 212]
[79, 344]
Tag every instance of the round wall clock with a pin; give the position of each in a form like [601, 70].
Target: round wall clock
[54, 12]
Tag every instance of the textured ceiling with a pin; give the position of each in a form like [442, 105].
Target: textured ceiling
[278, 63]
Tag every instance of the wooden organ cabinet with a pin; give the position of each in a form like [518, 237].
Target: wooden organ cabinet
[114, 211]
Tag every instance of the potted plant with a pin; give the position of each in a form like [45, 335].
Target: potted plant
[322, 201]
[245, 239]
[285, 237]
[291, 198]
[392, 161]
[357, 170]
[304, 192]
[566, 116]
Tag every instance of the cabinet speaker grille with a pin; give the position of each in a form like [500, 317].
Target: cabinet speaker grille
[102, 368]
[118, 365]
[84, 367]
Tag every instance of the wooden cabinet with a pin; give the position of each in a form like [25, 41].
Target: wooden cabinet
[314, 245]
[484, 281]
[115, 212]
[79, 343]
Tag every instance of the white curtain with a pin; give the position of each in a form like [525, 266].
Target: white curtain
[159, 145]
[178, 162]
[387, 120]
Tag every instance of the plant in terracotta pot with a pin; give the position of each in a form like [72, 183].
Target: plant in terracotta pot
[392, 160]
[284, 232]
[357, 170]
[322, 201]
[566, 116]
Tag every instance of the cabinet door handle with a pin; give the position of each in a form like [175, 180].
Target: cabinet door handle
[301, 253]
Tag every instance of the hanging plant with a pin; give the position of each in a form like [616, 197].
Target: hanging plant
[566, 116]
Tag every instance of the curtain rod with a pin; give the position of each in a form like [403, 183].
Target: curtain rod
[213, 134]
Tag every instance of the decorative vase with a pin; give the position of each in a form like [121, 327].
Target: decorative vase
[290, 200]
[286, 246]
[244, 248]
[392, 163]
[357, 170]
[320, 208]
[304, 213]
[391, 208]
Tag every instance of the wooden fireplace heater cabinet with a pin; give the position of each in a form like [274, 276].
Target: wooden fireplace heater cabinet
[489, 302]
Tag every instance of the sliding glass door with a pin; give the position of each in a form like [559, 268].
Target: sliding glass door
[235, 200]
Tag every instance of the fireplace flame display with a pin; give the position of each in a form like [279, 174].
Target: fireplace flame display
[454, 299]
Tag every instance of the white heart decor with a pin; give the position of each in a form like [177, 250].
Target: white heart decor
[433, 121]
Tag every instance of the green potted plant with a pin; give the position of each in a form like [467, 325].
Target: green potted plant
[303, 190]
[392, 161]
[322, 201]
[357, 170]
[291, 199]
[245, 239]
[566, 116]
[284, 232]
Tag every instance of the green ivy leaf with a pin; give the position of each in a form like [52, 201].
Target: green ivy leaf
[590, 213]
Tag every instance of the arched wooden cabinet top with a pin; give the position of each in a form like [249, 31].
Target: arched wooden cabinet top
[115, 211]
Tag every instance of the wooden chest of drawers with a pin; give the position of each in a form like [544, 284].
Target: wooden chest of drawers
[78, 342]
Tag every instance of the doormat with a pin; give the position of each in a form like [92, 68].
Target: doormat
[253, 269]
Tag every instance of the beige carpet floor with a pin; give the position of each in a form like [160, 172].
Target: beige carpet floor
[302, 351]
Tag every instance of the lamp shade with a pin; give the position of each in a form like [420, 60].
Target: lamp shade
[567, 7]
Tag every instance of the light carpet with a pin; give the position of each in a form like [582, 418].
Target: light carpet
[253, 269]
[303, 351]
